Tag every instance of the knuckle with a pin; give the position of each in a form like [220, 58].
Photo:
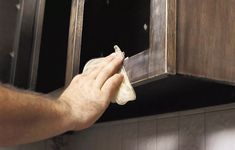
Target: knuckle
[105, 62]
[103, 103]
[77, 77]
[117, 62]
[109, 68]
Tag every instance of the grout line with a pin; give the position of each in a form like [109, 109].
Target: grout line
[178, 132]
[166, 36]
[156, 126]
[138, 131]
[156, 133]
[137, 136]
[205, 138]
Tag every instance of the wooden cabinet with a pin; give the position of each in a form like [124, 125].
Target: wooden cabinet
[145, 30]
[40, 47]
[7, 26]
[16, 38]
[160, 37]
[171, 44]
[206, 39]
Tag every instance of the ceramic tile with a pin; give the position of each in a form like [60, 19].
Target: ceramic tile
[129, 136]
[220, 130]
[167, 134]
[192, 132]
[147, 135]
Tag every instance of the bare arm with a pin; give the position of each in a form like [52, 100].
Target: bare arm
[27, 117]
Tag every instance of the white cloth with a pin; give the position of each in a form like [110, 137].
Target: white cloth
[126, 92]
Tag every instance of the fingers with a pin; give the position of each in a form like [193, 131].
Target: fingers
[109, 70]
[94, 73]
[112, 85]
[100, 65]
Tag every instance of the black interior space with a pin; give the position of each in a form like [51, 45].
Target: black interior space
[174, 93]
[53, 53]
[114, 22]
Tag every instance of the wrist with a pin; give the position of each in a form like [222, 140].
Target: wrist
[76, 117]
[66, 119]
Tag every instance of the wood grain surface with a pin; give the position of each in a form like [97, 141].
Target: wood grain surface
[162, 54]
[38, 27]
[171, 36]
[158, 37]
[137, 66]
[7, 32]
[75, 39]
[159, 59]
[22, 47]
[206, 39]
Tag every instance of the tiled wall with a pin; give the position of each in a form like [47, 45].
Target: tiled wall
[203, 129]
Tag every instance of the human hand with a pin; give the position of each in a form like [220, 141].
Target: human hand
[89, 94]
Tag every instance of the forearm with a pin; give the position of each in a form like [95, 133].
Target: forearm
[26, 117]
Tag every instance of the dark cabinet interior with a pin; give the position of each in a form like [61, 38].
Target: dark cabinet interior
[54, 43]
[105, 25]
[174, 93]
[34, 40]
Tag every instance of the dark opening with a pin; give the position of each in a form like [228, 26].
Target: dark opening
[174, 93]
[115, 22]
[53, 54]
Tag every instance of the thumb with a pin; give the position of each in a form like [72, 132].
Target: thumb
[112, 85]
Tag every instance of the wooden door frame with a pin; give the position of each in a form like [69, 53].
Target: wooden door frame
[38, 27]
[156, 62]
[23, 43]
[75, 40]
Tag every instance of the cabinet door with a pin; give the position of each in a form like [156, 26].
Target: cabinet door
[145, 31]
[23, 41]
[7, 26]
[206, 39]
